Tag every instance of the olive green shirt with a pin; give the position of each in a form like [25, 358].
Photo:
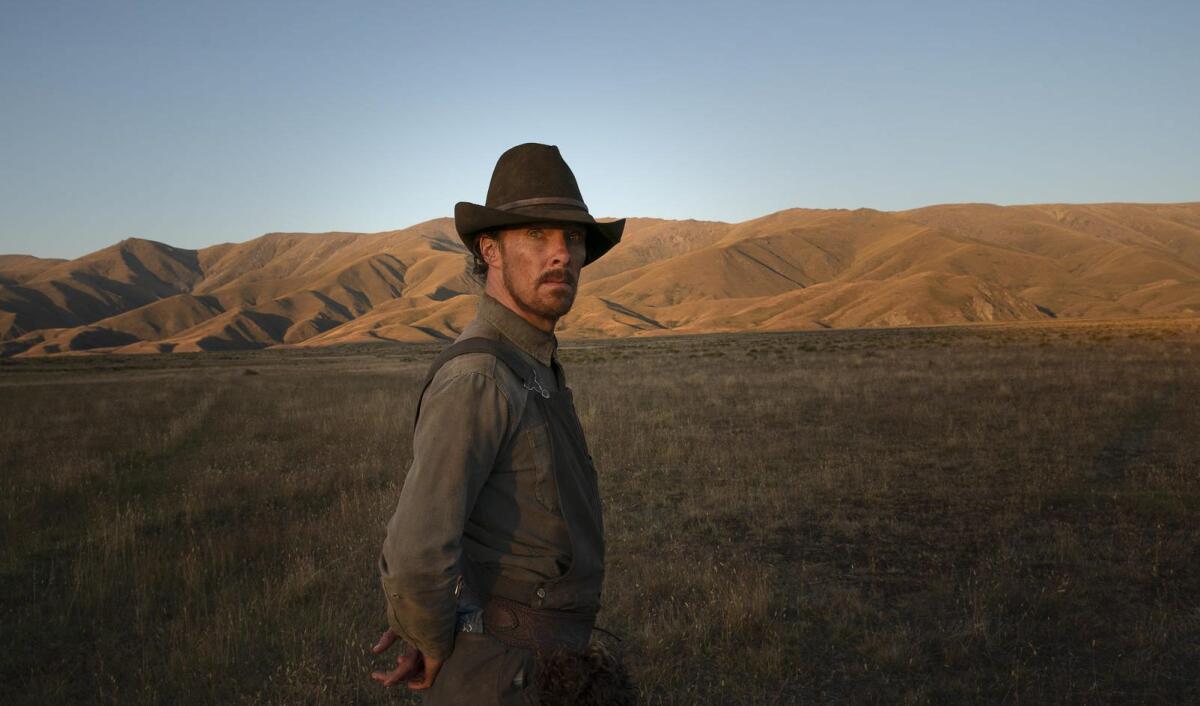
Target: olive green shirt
[481, 484]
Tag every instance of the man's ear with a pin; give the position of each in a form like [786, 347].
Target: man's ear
[489, 249]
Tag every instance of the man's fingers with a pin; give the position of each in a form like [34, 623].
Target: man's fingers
[410, 661]
[385, 678]
[391, 678]
[385, 641]
[411, 666]
[407, 666]
[425, 680]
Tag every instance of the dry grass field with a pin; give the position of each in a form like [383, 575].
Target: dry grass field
[948, 515]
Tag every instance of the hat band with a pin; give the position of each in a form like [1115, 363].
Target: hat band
[544, 201]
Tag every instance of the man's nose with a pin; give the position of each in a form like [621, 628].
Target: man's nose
[560, 252]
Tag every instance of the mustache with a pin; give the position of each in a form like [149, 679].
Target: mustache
[558, 275]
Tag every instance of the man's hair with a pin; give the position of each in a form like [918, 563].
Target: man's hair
[477, 267]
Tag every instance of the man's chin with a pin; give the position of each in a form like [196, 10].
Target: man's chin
[547, 302]
[558, 306]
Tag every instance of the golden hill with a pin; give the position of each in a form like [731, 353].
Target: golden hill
[795, 269]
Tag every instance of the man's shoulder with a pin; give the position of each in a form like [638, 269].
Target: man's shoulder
[481, 365]
[484, 364]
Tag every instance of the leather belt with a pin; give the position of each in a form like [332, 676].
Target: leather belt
[518, 625]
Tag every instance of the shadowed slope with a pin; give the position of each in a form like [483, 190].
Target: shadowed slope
[281, 288]
[111, 281]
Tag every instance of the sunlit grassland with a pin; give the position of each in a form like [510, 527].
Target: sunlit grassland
[950, 515]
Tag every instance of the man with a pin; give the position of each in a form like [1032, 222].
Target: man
[494, 556]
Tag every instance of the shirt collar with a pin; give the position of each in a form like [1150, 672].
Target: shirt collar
[537, 343]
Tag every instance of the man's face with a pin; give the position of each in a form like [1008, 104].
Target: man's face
[539, 267]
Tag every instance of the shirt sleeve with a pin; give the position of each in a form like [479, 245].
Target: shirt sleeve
[463, 422]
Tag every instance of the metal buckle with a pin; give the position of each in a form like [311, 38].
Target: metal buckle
[536, 386]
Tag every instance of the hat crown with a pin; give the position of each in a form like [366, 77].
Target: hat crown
[531, 171]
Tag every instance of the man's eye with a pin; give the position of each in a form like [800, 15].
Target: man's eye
[535, 233]
[575, 235]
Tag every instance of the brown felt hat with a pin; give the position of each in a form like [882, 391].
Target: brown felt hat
[533, 184]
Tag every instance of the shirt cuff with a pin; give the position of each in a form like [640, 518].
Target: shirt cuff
[430, 630]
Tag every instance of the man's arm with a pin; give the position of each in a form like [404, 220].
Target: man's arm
[464, 420]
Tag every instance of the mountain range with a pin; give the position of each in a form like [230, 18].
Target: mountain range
[790, 270]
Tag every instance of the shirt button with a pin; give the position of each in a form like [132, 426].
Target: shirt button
[541, 593]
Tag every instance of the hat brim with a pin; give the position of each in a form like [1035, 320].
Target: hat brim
[471, 219]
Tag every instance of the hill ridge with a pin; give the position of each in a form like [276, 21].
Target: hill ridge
[793, 269]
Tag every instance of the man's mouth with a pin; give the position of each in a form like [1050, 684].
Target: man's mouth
[558, 278]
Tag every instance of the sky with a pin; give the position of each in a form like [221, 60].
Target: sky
[196, 123]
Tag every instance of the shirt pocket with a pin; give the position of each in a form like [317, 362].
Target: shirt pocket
[541, 464]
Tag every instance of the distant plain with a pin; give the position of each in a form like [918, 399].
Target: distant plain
[959, 514]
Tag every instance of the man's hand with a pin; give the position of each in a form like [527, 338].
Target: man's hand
[412, 667]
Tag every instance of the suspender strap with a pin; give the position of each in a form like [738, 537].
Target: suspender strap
[503, 351]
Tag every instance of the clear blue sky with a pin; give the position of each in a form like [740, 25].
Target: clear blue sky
[195, 123]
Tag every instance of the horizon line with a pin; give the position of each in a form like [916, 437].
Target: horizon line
[614, 218]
